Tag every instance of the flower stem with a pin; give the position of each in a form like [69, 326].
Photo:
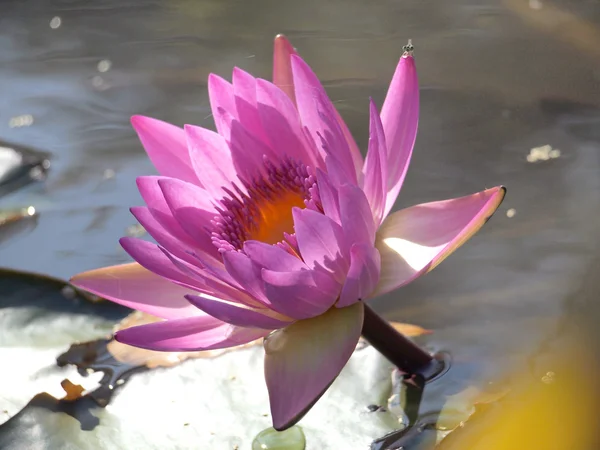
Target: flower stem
[397, 348]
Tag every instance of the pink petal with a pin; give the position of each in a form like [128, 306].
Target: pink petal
[303, 359]
[400, 118]
[238, 315]
[272, 257]
[211, 159]
[300, 294]
[355, 214]
[188, 335]
[321, 242]
[166, 147]
[246, 273]
[135, 287]
[248, 152]
[319, 116]
[244, 90]
[282, 66]
[192, 208]
[363, 275]
[149, 256]
[329, 197]
[375, 168]
[280, 119]
[221, 97]
[414, 240]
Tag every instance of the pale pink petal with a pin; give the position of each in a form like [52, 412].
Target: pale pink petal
[238, 315]
[321, 242]
[400, 118]
[303, 359]
[188, 335]
[166, 147]
[375, 168]
[211, 159]
[282, 124]
[319, 116]
[300, 294]
[414, 240]
[355, 214]
[220, 95]
[282, 66]
[363, 275]
[135, 287]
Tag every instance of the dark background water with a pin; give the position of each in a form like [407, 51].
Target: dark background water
[498, 78]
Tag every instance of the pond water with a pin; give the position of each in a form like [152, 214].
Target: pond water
[510, 93]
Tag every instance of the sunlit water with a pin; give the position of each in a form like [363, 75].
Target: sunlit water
[500, 81]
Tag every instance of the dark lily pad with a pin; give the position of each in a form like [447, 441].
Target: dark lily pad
[20, 166]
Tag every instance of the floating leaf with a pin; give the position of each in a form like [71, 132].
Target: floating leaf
[20, 166]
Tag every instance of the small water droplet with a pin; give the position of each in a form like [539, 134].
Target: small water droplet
[55, 22]
[104, 65]
[511, 213]
[291, 439]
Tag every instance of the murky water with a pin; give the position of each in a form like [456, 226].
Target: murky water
[498, 77]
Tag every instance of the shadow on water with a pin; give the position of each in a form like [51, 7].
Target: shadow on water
[504, 82]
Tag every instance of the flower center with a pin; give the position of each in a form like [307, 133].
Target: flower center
[264, 211]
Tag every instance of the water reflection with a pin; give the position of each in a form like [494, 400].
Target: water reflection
[499, 78]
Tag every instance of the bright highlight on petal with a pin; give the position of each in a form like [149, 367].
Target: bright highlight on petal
[302, 360]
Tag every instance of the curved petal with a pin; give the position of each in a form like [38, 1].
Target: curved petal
[363, 275]
[272, 257]
[303, 359]
[135, 287]
[211, 160]
[321, 242]
[188, 335]
[281, 122]
[375, 168]
[238, 315]
[400, 118]
[244, 90]
[166, 147]
[328, 196]
[247, 273]
[414, 240]
[319, 116]
[282, 66]
[221, 98]
[355, 215]
[300, 294]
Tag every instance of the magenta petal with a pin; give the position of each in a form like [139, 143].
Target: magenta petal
[220, 94]
[244, 90]
[414, 240]
[166, 147]
[281, 122]
[188, 335]
[282, 66]
[400, 118]
[355, 213]
[363, 275]
[246, 273]
[303, 359]
[248, 152]
[192, 208]
[238, 315]
[328, 196]
[135, 287]
[375, 168]
[272, 257]
[319, 116]
[321, 241]
[211, 159]
[149, 256]
[300, 294]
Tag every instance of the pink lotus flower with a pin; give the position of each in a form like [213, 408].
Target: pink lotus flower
[276, 223]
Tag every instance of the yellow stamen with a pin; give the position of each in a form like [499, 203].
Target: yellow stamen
[275, 217]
